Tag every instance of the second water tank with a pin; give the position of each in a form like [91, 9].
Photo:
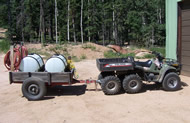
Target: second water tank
[57, 63]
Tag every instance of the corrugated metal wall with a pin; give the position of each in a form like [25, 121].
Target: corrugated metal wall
[185, 37]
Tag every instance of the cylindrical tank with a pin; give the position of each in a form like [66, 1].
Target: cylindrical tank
[31, 63]
[57, 63]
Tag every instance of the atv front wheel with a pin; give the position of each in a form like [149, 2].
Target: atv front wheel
[171, 82]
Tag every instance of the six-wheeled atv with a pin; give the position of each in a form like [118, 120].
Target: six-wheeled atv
[126, 73]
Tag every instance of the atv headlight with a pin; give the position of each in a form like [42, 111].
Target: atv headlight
[175, 65]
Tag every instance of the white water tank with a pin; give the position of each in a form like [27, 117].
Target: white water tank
[57, 63]
[31, 63]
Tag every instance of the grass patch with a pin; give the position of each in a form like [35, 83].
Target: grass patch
[82, 57]
[161, 50]
[75, 59]
[111, 54]
[38, 51]
[58, 49]
[4, 45]
[88, 46]
[147, 56]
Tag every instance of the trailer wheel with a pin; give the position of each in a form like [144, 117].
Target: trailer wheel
[33, 89]
[111, 85]
[171, 82]
[132, 84]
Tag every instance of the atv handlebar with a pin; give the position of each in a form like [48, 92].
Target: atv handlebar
[158, 55]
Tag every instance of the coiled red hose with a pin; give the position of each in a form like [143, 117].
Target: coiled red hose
[18, 56]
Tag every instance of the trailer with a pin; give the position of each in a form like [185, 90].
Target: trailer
[34, 84]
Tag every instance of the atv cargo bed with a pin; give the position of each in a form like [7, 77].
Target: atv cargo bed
[114, 64]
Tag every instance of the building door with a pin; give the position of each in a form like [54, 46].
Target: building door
[185, 37]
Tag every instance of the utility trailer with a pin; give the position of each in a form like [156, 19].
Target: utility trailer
[34, 84]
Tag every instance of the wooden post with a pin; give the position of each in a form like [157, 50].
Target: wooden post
[12, 58]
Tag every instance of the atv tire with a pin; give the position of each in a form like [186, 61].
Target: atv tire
[132, 84]
[171, 82]
[111, 85]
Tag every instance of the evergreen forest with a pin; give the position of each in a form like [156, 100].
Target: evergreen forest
[136, 22]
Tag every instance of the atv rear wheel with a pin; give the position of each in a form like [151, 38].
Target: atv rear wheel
[171, 82]
[132, 84]
[111, 85]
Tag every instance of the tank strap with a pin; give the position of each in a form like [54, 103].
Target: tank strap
[35, 60]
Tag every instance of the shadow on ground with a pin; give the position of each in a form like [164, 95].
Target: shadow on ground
[78, 90]
[66, 90]
[158, 86]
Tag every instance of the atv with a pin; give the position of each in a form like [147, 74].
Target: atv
[128, 74]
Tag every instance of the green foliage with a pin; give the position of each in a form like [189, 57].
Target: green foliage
[59, 49]
[111, 54]
[139, 22]
[83, 56]
[75, 58]
[147, 56]
[89, 46]
[4, 45]
[161, 50]
[40, 52]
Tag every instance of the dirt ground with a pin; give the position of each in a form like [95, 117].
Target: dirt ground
[81, 104]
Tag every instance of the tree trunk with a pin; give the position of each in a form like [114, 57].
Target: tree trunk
[68, 37]
[160, 15]
[103, 26]
[153, 37]
[51, 25]
[89, 38]
[74, 34]
[9, 19]
[42, 22]
[114, 23]
[56, 12]
[81, 26]
[22, 20]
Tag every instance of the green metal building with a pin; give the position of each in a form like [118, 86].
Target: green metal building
[178, 32]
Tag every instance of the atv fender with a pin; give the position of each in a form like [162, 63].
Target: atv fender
[165, 70]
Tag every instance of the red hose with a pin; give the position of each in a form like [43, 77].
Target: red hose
[17, 58]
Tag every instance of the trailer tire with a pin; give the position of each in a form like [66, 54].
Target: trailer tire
[132, 84]
[111, 85]
[34, 89]
[171, 82]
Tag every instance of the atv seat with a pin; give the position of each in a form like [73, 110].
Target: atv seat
[144, 64]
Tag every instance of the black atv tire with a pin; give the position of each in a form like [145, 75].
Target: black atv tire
[171, 82]
[100, 76]
[111, 85]
[34, 89]
[103, 75]
[132, 84]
